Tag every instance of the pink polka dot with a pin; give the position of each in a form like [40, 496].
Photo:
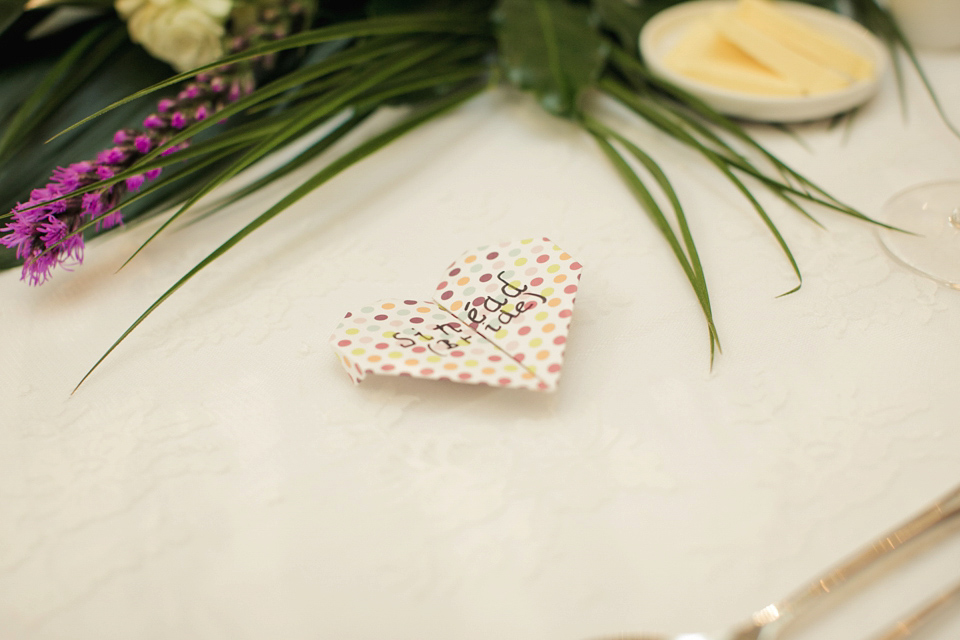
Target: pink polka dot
[504, 381]
[485, 277]
[566, 313]
[343, 343]
[495, 358]
[553, 368]
[570, 288]
[348, 314]
[411, 302]
[543, 258]
[396, 323]
[454, 272]
[446, 295]
[531, 271]
[388, 367]
[512, 345]
[575, 265]
[498, 264]
[524, 331]
[536, 282]
[536, 249]
[380, 317]
[381, 345]
[416, 320]
[465, 376]
[359, 320]
[492, 255]
[478, 301]
[442, 285]
[366, 339]
[542, 385]
[559, 340]
[457, 353]
[519, 357]
[426, 372]
[419, 349]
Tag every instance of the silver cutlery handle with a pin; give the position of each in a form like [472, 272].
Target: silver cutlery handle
[941, 512]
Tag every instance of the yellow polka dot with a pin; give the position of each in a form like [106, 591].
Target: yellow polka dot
[388, 334]
[554, 302]
[541, 316]
[450, 365]
[547, 328]
[542, 355]
[388, 305]
[352, 332]
[471, 363]
[547, 292]
[500, 334]
[423, 309]
[520, 262]
[358, 352]
[536, 342]
[507, 307]
[395, 354]
[462, 281]
[527, 241]
[433, 358]
[553, 268]
[560, 278]
[469, 259]
[510, 367]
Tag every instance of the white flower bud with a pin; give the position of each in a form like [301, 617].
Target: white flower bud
[185, 33]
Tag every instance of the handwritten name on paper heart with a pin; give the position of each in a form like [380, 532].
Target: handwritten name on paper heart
[499, 317]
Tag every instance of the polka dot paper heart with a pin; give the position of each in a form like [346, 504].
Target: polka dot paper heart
[499, 317]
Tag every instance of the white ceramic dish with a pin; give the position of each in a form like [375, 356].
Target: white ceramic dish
[662, 31]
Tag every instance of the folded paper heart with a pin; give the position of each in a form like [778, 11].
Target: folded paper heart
[499, 317]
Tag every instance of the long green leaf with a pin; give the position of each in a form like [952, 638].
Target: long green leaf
[333, 169]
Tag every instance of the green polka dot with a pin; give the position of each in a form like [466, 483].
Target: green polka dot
[476, 267]
[541, 316]
[520, 262]
[470, 363]
[553, 268]
[508, 274]
[468, 291]
[547, 292]
[367, 310]
[515, 252]
[536, 342]
[352, 332]
[403, 312]
[358, 352]
[440, 316]
[373, 327]
[395, 354]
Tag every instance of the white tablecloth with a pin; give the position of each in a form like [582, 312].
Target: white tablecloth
[219, 476]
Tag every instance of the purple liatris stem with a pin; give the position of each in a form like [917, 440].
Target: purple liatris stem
[46, 234]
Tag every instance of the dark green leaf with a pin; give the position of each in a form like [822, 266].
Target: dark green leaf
[551, 48]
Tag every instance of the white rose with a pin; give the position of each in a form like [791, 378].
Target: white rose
[185, 33]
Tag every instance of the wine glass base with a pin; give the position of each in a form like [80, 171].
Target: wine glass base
[930, 213]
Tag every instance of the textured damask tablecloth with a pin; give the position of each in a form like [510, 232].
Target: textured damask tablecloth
[220, 476]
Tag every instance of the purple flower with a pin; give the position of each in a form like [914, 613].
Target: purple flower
[153, 121]
[134, 182]
[143, 144]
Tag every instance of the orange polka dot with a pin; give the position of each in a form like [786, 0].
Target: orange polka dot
[547, 328]
[543, 355]
[554, 302]
[560, 278]
[423, 309]
[463, 281]
[450, 365]
[564, 256]
[456, 306]
[488, 370]
[527, 375]
[374, 359]
[469, 259]
[411, 362]
[388, 305]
